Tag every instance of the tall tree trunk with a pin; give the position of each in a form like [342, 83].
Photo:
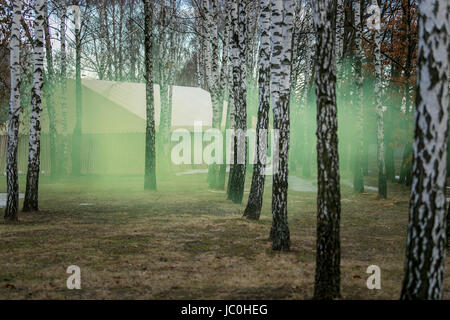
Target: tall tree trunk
[48, 91]
[405, 172]
[255, 198]
[382, 186]
[309, 93]
[425, 247]
[358, 183]
[328, 256]
[224, 88]
[150, 158]
[213, 85]
[237, 175]
[77, 132]
[65, 139]
[308, 146]
[119, 53]
[340, 21]
[12, 180]
[164, 75]
[389, 132]
[389, 154]
[133, 46]
[281, 36]
[31, 202]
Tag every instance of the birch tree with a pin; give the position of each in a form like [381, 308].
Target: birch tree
[340, 17]
[65, 142]
[358, 183]
[49, 78]
[281, 37]
[12, 182]
[382, 186]
[255, 199]
[164, 65]
[239, 101]
[224, 88]
[327, 277]
[211, 38]
[31, 194]
[308, 94]
[76, 136]
[410, 44]
[426, 240]
[150, 158]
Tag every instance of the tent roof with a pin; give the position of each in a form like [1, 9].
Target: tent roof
[189, 104]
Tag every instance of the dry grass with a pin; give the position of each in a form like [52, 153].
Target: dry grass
[185, 242]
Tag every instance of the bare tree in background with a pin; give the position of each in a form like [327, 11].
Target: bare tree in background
[49, 80]
[77, 131]
[150, 156]
[65, 142]
[382, 185]
[358, 183]
[224, 88]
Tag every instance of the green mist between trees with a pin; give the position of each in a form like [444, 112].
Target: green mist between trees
[113, 138]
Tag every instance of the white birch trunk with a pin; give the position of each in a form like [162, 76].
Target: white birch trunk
[426, 240]
[150, 158]
[65, 142]
[12, 202]
[281, 36]
[239, 106]
[255, 199]
[358, 182]
[340, 16]
[32, 187]
[382, 186]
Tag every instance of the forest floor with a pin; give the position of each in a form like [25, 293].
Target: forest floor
[187, 242]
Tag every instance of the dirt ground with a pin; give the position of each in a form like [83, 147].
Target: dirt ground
[187, 242]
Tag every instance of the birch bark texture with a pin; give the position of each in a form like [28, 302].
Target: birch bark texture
[65, 139]
[239, 102]
[382, 185]
[358, 180]
[255, 199]
[224, 89]
[340, 17]
[49, 81]
[31, 201]
[426, 240]
[77, 132]
[214, 86]
[150, 150]
[328, 253]
[281, 38]
[12, 182]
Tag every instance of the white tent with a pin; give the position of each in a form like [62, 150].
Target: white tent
[189, 104]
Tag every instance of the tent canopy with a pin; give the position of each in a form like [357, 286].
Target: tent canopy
[188, 106]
